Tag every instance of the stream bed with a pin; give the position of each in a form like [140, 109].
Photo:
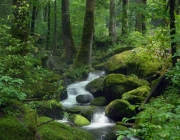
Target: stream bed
[100, 124]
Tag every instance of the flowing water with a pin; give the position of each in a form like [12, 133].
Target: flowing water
[100, 124]
[78, 88]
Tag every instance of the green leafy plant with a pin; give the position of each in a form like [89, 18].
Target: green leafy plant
[10, 89]
[159, 119]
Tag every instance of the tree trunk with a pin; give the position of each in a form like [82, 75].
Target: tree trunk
[33, 18]
[172, 30]
[140, 18]
[48, 25]
[144, 18]
[112, 26]
[68, 41]
[55, 29]
[124, 18]
[84, 53]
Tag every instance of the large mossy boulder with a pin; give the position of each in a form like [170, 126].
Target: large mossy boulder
[118, 109]
[117, 84]
[99, 101]
[79, 120]
[49, 129]
[20, 125]
[50, 108]
[133, 62]
[86, 111]
[137, 95]
[95, 87]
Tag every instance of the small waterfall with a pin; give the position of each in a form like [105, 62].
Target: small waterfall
[99, 119]
[100, 124]
[75, 89]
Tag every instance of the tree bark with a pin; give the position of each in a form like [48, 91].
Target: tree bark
[48, 25]
[112, 26]
[55, 29]
[84, 53]
[172, 30]
[68, 41]
[124, 18]
[140, 18]
[33, 18]
[144, 18]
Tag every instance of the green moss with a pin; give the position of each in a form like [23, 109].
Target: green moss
[117, 62]
[58, 131]
[21, 126]
[95, 87]
[137, 95]
[99, 101]
[51, 108]
[118, 109]
[79, 120]
[84, 53]
[134, 62]
[119, 128]
[85, 111]
[142, 91]
[117, 84]
[30, 118]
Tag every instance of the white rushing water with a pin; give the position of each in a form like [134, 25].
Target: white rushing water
[100, 124]
[78, 88]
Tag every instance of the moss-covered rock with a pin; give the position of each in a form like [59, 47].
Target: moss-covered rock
[99, 101]
[132, 62]
[52, 130]
[50, 108]
[117, 84]
[86, 111]
[46, 90]
[137, 95]
[118, 109]
[117, 63]
[19, 126]
[79, 120]
[95, 87]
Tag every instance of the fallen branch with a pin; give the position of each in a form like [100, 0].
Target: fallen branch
[152, 92]
[45, 123]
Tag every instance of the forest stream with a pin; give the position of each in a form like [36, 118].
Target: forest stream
[100, 124]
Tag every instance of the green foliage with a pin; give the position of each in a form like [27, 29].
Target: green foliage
[10, 89]
[159, 119]
[21, 72]
[174, 75]
[77, 73]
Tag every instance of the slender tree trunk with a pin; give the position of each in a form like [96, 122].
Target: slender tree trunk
[124, 18]
[140, 18]
[144, 18]
[84, 53]
[112, 26]
[138, 24]
[55, 29]
[68, 41]
[33, 18]
[172, 30]
[48, 25]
